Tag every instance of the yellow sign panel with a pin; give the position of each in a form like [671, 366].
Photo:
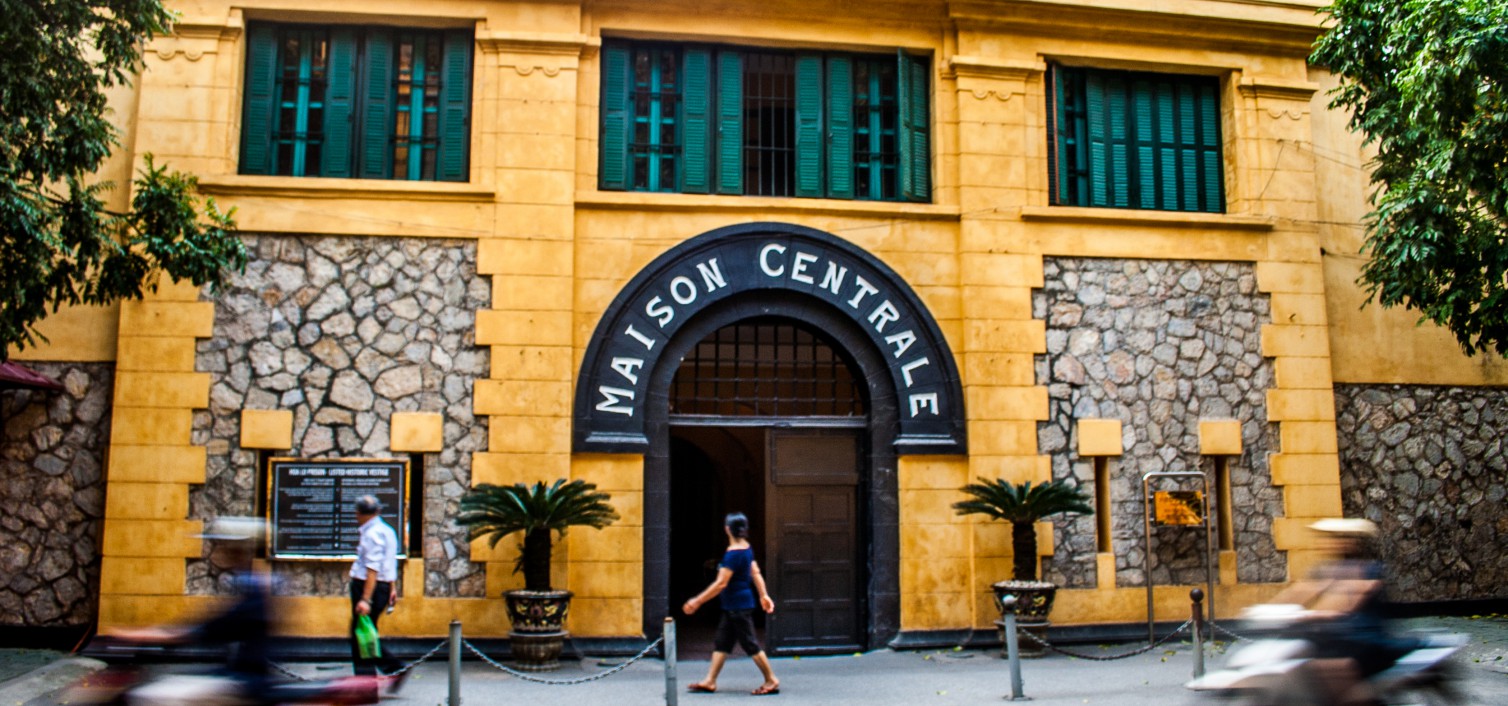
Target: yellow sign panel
[1178, 507]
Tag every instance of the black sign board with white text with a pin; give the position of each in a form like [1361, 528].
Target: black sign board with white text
[312, 504]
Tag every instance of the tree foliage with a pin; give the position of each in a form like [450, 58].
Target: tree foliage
[1424, 81]
[59, 244]
[1022, 505]
[496, 511]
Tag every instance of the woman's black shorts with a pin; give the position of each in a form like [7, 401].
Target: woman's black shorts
[736, 626]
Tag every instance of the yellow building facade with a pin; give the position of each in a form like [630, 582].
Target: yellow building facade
[468, 324]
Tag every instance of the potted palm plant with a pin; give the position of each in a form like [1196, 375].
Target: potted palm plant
[1023, 505]
[537, 611]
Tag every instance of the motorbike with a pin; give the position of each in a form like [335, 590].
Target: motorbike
[1287, 669]
[132, 677]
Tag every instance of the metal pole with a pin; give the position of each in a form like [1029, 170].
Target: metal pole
[455, 663]
[1146, 554]
[1198, 623]
[1012, 649]
[671, 691]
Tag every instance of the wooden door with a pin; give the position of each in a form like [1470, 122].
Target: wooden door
[813, 546]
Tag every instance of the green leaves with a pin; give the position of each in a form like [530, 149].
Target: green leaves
[1424, 80]
[59, 245]
[496, 511]
[1023, 502]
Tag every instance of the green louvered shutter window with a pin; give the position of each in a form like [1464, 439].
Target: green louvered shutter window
[1166, 106]
[616, 81]
[915, 120]
[1099, 163]
[730, 122]
[1144, 115]
[696, 127]
[809, 142]
[1211, 171]
[377, 123]
[455, 108]
[260, 101]
[840, 137]
[1117, 139]
[340, 104]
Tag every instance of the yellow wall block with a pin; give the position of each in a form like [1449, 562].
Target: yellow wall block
[1220, 437]
[1006, 403]
[1312, 500]
[531, 293]
[920, 541]
[146, 501]
[1227, 570]
[935, 611]
[506, 256]
[1293, 533]
[993, 368]
[1304, 341]
[1304, 469]
[630, 507]
[606, 617]
[614, 543]
[530, 435]
[75, 333]
[154, 538]
[523, 328]
[117, 612]
[1045, 538]
[1001, 270]
[270, 429]
[1100, 437]
[1307, 437]
[1299, 309]
[610, 471]
[142, 576]
[522, 398]
[934, 472]
[533, 362]
[997, 302]
[418, 432]
[927, 506]
[165, 354]
[195, 319]
[174, 390]
[1302, 373]
[156, 464]
[606, 579]
[1301, 405]
[1104, 570]
[510, 468]
[992, 538]
[1013, 438]
[934, 574]
[151, 426]
[1014, 469]
[1290, 278]
[1029, 336]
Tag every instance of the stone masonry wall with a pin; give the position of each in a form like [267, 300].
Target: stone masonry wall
[345, 331]
[1159, 345]
[52, 496]
[1429, 466]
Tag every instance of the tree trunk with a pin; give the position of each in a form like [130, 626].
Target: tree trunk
[537, 560]
[1024, 548]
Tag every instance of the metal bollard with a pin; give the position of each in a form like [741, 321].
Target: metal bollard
[455, 663]
[1012, 650]
[1198, 624]
[671, 690]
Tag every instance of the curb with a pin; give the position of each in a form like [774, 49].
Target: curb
[47, 679]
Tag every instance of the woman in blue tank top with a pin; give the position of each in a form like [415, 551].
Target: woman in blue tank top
[742, 589]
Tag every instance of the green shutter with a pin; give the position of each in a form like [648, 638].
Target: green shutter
[260, 101]
[616, 84]
[840, 171]
[1167, 146]
[340, 104]
[1094, 101]
[1058, 164]
[696, 132]
[455, 107]
[1118, 177]
[1188, 154]
[377, 122]
[1212, 173]
[809, 143]
[915, 120]
[730, 123]
[1144, 115]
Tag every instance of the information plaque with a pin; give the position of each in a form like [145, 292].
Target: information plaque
[312, 505]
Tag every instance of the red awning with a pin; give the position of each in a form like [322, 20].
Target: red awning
[14, 376]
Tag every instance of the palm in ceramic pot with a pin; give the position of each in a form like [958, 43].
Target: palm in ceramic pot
[1023, 505]
[539, 511]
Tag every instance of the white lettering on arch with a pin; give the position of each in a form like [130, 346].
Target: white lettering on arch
[657, 309]
[798, 270]
[902, 341]
[683, 283]
[612, 400]
[833, 280]
[764, 259]
[712, 275]
[628, 368]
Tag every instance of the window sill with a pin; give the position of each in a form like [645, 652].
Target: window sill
[639, 200]
[322, 188]
[1169, 219]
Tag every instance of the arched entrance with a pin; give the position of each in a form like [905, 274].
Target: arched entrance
[802, 462]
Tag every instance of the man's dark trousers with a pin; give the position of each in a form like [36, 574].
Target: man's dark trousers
[380, 595]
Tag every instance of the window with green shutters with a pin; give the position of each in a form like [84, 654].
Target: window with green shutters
[724, 120]
[357, 102]
[1138, 140]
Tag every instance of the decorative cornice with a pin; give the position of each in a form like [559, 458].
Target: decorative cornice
[320, 188]
[1299, 91]
[982, 67]
[574, 45]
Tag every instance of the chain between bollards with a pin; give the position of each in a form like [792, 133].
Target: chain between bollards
[1012, 648]
[1197, 619]
[455, 664]
[672, 692]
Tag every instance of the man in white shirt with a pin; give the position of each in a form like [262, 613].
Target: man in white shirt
[374, 583]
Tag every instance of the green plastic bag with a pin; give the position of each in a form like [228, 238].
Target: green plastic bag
[366, 638]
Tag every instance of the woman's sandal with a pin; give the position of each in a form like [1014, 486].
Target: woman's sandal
[700, 688]
[766, 690]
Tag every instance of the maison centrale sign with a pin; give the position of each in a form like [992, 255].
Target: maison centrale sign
[767, 269]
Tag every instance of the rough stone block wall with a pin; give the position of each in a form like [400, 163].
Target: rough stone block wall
[1429, 465]
[345, 331]
[52, 496]
[1159, 345]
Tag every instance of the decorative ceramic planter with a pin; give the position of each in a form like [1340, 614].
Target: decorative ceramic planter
[1033, 604]
[538, 634]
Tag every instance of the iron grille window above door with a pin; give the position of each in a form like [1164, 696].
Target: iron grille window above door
[766, 368]
[357, 102]
[765, 123]
[1125, 139]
